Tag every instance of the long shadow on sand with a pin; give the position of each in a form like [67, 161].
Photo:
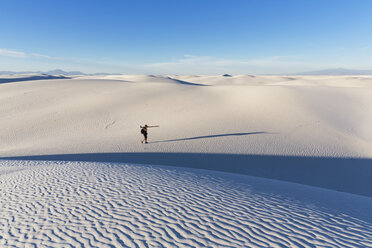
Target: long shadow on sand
[207, 136]
[352, 175]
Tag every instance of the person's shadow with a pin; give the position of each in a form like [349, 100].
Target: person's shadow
[208, 136]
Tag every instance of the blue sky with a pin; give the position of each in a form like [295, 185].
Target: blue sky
[185, 36]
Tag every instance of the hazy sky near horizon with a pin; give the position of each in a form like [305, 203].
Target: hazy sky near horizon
[185, 36]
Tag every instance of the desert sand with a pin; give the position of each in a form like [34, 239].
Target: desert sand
[291, 142]
[306, 116]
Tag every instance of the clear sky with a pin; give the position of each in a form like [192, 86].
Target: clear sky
[185, 36]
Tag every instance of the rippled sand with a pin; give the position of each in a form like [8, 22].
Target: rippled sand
[87, 204]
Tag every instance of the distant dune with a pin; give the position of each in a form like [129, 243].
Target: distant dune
[337, 71]
[52, 72]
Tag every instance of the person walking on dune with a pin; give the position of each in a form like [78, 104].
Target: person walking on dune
[144, 132]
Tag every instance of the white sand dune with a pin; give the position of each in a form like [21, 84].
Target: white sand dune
[305, 116]
[78, 204]
[313, 130]
[301, 116]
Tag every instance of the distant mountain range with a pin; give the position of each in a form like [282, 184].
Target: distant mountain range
[336, 71]
[53, 72]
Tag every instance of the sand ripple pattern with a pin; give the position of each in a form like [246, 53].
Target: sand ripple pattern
[80, 204]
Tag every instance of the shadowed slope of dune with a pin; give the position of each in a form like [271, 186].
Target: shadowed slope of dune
[185, 82]
[19, 78]
[350, 175]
